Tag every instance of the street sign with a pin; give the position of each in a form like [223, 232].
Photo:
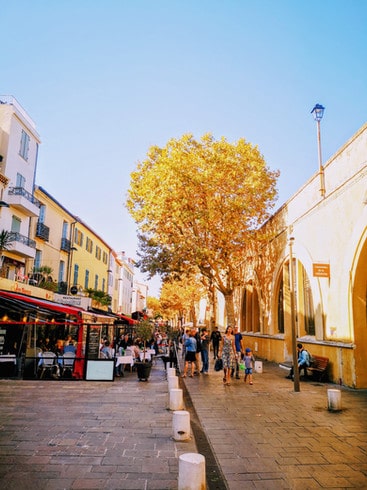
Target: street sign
[321, 270]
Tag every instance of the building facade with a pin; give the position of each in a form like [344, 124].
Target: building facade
[315, 259]
[19, 142]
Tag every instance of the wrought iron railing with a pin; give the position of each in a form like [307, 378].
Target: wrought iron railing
[20, 191]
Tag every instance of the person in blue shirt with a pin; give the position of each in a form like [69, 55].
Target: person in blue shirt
[303, 361]
[190, 356]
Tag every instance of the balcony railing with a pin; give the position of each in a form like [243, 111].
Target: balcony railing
[20, 191]
[65, 245]
[17, 237]
[42, 231]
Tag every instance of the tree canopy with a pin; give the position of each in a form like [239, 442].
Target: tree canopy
[199, 206]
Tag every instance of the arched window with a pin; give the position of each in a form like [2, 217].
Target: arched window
[303, 301]
[250, 309]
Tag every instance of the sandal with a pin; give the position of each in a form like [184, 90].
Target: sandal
[183, 376]
[224, 380]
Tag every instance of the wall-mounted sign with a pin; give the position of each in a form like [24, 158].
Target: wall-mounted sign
[321, 270]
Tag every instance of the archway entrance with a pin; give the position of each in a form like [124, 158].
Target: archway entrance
[359, 304]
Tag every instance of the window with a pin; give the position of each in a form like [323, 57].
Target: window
[98, 252]
[96, 282]
[105, 257]
[37, 259]
[41, 217]
[303, 301]
[24, 145]
[89, 245]
[20, 181]
[15, 224]
[76, 274]
[86, 281]
[65, 230]
[78, 237]
[61, 271]
[251, 309]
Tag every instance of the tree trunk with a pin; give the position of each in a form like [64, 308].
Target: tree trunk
[228, 299]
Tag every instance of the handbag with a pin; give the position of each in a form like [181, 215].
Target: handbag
[218, 366]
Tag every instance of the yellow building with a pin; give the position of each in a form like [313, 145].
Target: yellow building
[75, 257]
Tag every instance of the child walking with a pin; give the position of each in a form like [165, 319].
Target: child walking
[249, 364]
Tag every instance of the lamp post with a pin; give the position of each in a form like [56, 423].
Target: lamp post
[293, 316]
[318, 112]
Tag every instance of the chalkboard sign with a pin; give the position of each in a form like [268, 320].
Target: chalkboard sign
[101, 370]
[94, 335]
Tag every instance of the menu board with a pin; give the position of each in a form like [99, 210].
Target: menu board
[94, 335]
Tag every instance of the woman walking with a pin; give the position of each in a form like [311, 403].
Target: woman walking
[227, 351]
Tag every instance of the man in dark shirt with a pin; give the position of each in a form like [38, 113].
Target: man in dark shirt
[215, 339]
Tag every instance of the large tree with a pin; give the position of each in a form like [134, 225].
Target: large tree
[199, 206]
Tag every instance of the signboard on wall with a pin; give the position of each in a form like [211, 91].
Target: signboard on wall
[321, 270]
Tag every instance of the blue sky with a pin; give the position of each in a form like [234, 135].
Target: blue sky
[104, 80]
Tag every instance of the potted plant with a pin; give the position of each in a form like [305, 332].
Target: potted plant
[144, 331]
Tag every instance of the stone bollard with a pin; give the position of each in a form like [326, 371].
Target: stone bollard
[175, 399]
[171, 372]
[334, 400]
[172, 382]
[191, 472]
[181, 425]
[258, 367]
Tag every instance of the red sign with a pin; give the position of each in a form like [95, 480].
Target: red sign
[321, 270]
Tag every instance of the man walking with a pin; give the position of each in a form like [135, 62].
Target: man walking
[215, 338]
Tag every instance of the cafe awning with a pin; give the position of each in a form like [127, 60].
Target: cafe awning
[37, 304]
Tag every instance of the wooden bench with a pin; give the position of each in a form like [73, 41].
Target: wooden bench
[318, 369]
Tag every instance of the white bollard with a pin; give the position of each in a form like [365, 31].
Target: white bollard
[258, 367]
[181, 425]
[172, 382]
[171, 372]
[191, 472]
[334, 400]
[175, 399]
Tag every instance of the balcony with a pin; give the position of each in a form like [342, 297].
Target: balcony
[42, 231]
[65, 245]
[22, 245]
[23, 200]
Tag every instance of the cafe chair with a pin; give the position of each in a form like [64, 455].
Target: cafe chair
[47, 363]
[68, 360]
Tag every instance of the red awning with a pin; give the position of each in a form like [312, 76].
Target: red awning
[129, 320]
[43, 303]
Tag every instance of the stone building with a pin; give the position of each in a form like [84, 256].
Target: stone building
[324, 238]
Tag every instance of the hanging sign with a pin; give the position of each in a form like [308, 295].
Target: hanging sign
[321, 270]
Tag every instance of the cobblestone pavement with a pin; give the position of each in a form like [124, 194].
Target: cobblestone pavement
[88, 435]
[267, 436]
[104, 435]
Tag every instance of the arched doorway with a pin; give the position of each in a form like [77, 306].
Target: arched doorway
[359, 306]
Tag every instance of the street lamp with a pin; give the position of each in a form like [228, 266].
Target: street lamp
[293, 316]
[318, 112]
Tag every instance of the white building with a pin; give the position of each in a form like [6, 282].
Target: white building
[19, 142]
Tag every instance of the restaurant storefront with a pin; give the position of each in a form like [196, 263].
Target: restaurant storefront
[34, 333]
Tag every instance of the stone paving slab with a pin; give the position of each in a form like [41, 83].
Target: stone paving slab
[89, 435]
[269, 436]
